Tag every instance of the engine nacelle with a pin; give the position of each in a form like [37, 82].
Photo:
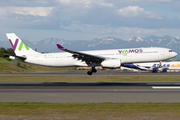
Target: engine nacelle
[111, 63]
[155, 70]
[159, 70]
[164, 70]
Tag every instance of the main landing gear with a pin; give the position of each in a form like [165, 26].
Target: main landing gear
[93, 70]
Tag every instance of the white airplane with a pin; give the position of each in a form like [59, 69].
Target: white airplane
[106, 58]
[155, 66]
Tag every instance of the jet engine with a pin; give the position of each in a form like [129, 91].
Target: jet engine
[164, 70]
[159, 70]
[154, 69]
[111, 63]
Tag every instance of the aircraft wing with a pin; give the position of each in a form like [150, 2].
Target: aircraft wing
[131, 65]
[83, 56]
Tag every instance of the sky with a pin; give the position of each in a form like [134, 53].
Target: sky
[35, 20]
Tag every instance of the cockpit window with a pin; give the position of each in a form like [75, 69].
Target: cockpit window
[170, 50]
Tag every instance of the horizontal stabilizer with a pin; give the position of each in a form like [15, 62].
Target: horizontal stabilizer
[21, 58]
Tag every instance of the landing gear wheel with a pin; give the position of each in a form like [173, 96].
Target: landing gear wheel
[94, 70]
[89, 73]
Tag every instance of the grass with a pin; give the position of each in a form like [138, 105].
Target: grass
[12, 67]
[81, 108]
[93, 110]
[91, 79]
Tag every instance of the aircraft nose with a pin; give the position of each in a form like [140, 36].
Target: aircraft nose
[174, 54]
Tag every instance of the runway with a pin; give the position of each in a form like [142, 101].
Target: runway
[84, 73]
[91, 92]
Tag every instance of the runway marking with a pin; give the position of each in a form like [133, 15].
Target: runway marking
[166, 87]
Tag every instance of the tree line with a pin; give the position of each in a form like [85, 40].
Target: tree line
[8, 51]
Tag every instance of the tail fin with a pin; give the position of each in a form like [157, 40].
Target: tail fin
[20, 48]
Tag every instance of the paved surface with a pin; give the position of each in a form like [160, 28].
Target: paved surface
[89, 92]
[92, 92]
[84, 73]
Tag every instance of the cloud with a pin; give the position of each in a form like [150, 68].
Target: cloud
[133, 11]
[86, 3]
[74, 14]
[104, 4]
[91, 17]
[27, 3]
[37, 11]
[34, 11]
[100, 29]
[75, 1]
[135, 30]
[152, 0]
[28, 18]
[175, 6]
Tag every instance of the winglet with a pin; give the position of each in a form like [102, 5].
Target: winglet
[59, 46]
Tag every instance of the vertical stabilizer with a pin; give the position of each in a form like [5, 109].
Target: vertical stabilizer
[20, 47]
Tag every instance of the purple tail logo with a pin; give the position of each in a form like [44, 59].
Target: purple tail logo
[20, 46]
[15, 44]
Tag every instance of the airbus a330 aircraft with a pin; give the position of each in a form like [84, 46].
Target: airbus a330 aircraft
[155, 66]
[106, 58]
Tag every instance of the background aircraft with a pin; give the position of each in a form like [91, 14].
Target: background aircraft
[113, 58]
[155, 66]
